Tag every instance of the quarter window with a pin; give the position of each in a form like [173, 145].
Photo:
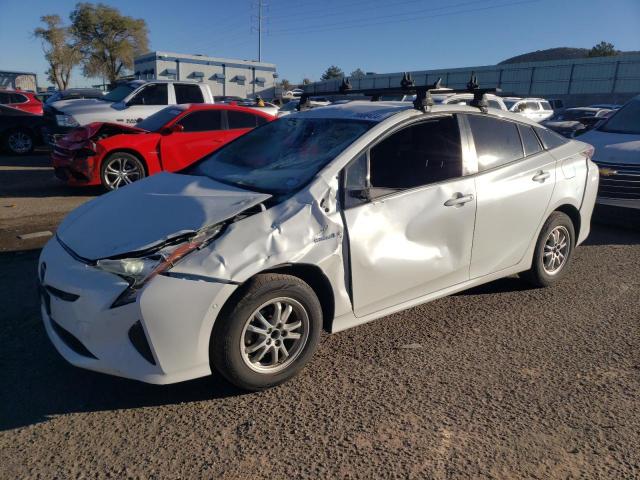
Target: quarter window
[203, 121]
[549, 139]
[17, 98]
[188, 93]
[497, 141]
[529, 140]
[418, 155]
[5, 98]
[533, 106]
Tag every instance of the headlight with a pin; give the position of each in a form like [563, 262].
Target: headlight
[138, 271]
[66, 121]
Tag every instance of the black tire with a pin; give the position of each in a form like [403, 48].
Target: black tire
[19, 141]
[538, 275]
[108, 179]
[230, 340]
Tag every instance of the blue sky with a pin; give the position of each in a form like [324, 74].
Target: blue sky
[303, 37]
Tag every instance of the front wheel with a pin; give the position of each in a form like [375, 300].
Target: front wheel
[269, 334]
[120, 169]
[552, 252]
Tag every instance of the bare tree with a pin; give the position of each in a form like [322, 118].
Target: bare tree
[59, 51]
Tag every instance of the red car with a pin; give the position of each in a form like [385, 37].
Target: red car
[25, 101]
[169, 140]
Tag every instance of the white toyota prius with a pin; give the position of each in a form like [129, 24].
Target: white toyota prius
[324, 219]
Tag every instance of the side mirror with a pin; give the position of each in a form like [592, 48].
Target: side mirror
[175, 128]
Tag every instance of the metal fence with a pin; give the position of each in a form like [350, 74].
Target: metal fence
[612, 79]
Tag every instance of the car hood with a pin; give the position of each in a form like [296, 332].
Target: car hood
[147, 213]
[614, 147]
[80, 105]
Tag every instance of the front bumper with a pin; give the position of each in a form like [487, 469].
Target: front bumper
[161, 338]
[75, 167]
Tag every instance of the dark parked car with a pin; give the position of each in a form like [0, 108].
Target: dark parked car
[575, 121]
[19, 130]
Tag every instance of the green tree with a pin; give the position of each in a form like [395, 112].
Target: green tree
[108, 40]
[603, 49]
[61, 54]
[357, 73]
[332, 72]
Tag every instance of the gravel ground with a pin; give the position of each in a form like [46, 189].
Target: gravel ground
[501, 381]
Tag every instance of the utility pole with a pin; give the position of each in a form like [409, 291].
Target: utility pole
[259, 30]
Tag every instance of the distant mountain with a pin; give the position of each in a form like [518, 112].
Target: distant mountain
[561, 53]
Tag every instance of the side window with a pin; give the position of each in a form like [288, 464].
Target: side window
[545, 105]
[17, 98]
[497, 141]
[533, 106]
[241, 119]
[5, 98]
[549, 139]
[529, 140]
[495, 104]
[203, 121]
[188, 93]
[421, 154]
[154, 94]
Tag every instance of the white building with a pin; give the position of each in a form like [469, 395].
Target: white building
[229, 77]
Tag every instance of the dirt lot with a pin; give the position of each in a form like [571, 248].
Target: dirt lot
[498, 382]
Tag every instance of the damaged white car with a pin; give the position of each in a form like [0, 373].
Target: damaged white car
[324, 219]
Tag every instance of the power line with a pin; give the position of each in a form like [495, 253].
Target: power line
[386, 21]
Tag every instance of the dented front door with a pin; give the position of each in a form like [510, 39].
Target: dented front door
[410, 244]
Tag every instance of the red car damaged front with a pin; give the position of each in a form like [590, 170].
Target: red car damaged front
[77, 156]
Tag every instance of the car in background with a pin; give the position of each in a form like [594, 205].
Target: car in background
[127, 104]
[114, 155]
[25, 101]
[292, 106]
[295, 93]
[20, 131]
[326, 219]
[536, 109]
[268, 108]
[556, 104]
[610, 106]
[575, 121]
[617, 151]
[445, 98]
[74, 94]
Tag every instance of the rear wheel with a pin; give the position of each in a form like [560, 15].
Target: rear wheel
[269, 334]
[119, 169]
[20, 142]
[553, 251]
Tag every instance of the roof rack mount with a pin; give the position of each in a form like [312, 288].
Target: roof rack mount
[423, 101]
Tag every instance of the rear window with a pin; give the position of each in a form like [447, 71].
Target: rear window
[241, 119]
[188, 93]
[549, 139]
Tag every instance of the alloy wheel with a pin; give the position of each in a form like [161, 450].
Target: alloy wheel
[274, 335]
[20, 142]
[556, 250]
[122, 171]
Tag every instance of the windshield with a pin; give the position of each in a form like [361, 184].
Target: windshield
[625, 120]
[510, 103]
[282, 156]
[155, 122]
[118, 94]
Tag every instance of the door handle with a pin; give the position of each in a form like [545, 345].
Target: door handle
[458, 200]
[541, 176]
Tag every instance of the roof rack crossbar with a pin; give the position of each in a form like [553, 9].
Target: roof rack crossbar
[423, 100]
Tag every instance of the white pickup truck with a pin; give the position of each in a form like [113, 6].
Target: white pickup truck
[129, 103]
